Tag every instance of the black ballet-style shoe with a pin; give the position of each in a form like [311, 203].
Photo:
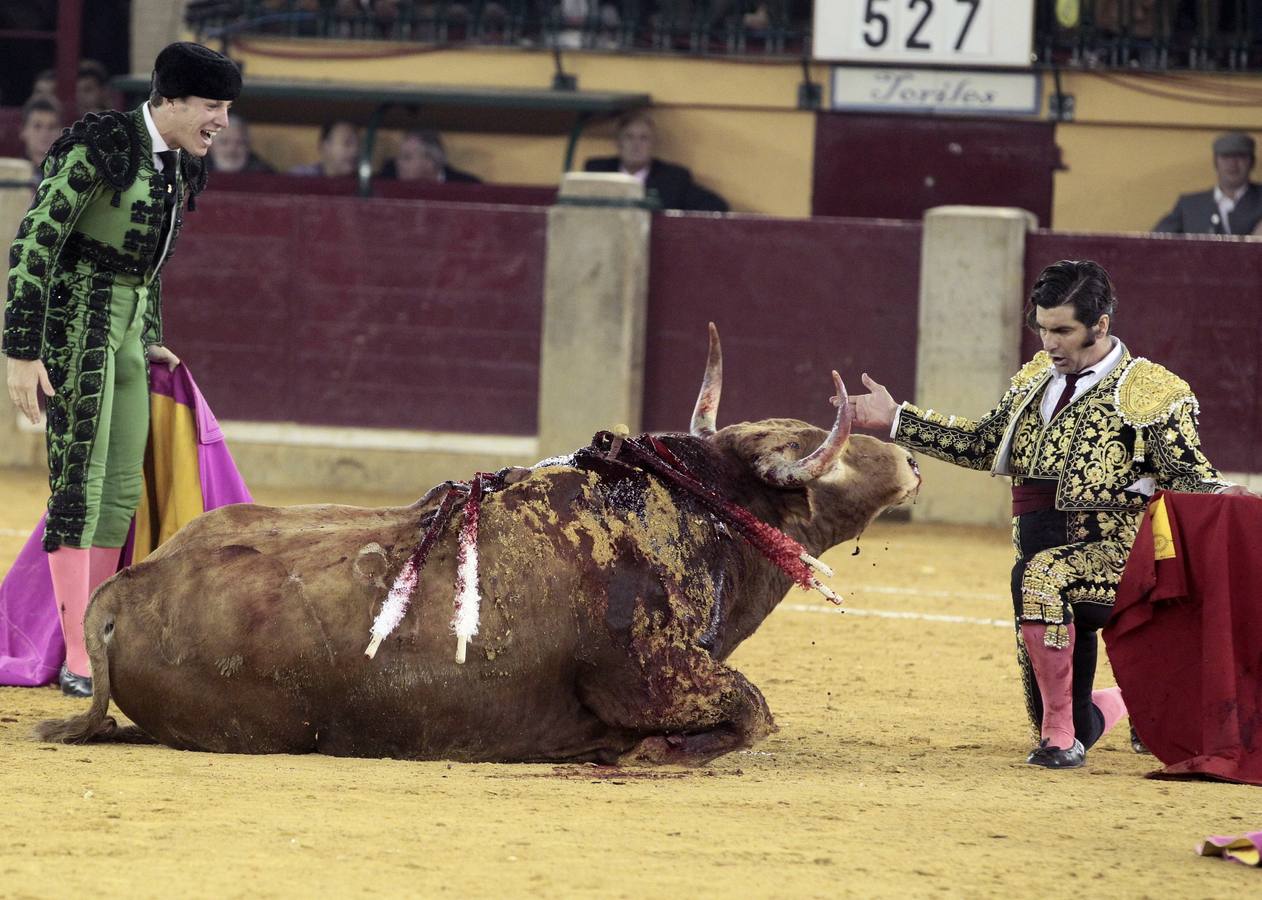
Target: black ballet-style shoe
[1056, 758]
[1137, 744]
[73, 685]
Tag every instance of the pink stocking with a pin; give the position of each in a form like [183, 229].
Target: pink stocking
[1111, 705]
[1054, 675]
[103, 564]
[69, 567]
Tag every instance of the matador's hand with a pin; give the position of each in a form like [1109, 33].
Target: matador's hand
[27, 378]
[1239, 490]
[159, 354]
[875, 410]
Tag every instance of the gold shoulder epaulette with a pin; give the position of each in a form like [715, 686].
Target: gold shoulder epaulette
[1146, 393]
[1032, 371]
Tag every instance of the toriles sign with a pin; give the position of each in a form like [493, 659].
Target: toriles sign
[935, 91]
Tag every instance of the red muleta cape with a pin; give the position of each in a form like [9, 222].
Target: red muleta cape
[1185, 639]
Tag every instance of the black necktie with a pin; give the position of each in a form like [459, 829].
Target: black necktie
[168, 173]
[168, 158]
[1067, 392]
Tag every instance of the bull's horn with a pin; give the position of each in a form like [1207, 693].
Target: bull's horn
[815, 465]
[707, 408]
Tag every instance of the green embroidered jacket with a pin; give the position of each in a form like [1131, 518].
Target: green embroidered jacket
[1138, 422]
[96, 222]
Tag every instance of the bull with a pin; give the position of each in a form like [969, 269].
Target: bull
[610, 598]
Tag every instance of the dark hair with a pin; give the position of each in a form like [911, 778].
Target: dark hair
[432, 141]
[90, 68]
[1083, 283]
[40, 104]
[627, 119]
[327, 128]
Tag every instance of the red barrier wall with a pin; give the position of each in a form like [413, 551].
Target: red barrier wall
[899, 166]
[793, 300]
[1193, 304]
[445, 192]
[372, 313]
[398, 314]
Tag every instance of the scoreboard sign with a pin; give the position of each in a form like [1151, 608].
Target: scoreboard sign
[938, 32]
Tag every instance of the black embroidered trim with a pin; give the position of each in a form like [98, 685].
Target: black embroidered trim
[193, 168]
[113, 146]
[81, 247]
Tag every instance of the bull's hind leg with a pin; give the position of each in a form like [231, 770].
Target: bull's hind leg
[688, 707]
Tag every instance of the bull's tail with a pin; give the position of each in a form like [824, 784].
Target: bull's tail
[93, 725]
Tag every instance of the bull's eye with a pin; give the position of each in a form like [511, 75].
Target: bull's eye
[793, 445]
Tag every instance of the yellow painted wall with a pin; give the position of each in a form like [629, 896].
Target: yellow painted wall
[1138, 141]
[735, 124]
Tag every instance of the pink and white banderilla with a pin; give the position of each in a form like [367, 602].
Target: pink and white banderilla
[465, 610]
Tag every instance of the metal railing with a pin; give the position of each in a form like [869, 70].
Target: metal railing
[1146, 34]
[1151, 34]
[778, 27]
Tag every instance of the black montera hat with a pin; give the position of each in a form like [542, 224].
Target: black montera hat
[186, 69]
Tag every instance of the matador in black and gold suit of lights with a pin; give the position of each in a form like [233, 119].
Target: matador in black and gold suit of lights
[1087, 433]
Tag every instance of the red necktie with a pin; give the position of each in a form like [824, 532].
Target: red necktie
[1067, 393]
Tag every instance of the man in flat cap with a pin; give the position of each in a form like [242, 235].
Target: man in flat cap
[1234, 206]
[83, 317]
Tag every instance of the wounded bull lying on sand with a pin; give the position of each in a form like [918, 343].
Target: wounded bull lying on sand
[613, 585]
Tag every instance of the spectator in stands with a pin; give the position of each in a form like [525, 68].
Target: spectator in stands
[422, 157]
[41, 123]
[339, 149]
[672, 184]
[91, 89]
[232, 152]
[45, 85]
[1234, 206]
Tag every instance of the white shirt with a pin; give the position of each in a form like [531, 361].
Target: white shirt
[158, 144]
[641, 176]
[1227, 204]
[1052, 393]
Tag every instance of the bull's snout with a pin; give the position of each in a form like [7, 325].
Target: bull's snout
[919, 480]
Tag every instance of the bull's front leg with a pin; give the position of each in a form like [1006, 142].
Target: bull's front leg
[688, 707]
[744, 719]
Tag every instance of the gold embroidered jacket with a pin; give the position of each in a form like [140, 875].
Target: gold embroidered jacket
[1138, 422]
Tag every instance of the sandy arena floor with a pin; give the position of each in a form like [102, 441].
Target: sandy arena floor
[897, 771]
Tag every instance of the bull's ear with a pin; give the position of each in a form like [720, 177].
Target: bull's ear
[750, 444]
[799, 509]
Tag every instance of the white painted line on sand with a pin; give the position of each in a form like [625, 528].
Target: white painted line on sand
[920, 592]
[14, 532]
[895, 614]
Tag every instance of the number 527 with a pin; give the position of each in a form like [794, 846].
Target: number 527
[876, 22]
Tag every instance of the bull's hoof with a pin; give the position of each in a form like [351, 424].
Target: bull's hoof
[73, 685]
[1056, 758]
